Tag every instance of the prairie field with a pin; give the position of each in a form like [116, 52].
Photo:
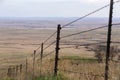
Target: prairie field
[77, 59]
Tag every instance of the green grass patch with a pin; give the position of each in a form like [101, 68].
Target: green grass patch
[79, 59]
[7, 79]
[59, 77]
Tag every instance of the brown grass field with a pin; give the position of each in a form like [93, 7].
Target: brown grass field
[17, 44]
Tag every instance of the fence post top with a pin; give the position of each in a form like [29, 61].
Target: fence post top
[34, 51]
[59, 24]
[20, 65]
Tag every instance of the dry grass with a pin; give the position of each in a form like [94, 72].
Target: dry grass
[16, 44]
[75, 69]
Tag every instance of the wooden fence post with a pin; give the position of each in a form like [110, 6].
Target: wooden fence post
[108, 40]
[34, 63]
[9, 72]
[41, 56]
[26, 69]
[21, 72]
[16, 72]
[57, 50]
[41, 52]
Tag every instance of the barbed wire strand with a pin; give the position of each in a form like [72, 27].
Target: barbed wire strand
[88, 30]
[38, 47]
[46, 40]
[49, 45]
[83, 32]
[89, 44]
[87, 15]
[48, 54]
[49, 37]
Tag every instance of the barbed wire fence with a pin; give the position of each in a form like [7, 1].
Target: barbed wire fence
[49, 60]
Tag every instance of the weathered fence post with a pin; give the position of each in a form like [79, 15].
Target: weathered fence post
[9, 72]
[21, 72]
[108, 40]
[57, 50]
[34, 63]
[26, 71]
[41, 56]
[16, 72]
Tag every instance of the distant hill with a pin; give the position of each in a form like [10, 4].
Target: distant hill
[51, 22]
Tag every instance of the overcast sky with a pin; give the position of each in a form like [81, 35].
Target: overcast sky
[54, 8]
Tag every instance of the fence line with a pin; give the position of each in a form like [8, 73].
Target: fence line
[87, 15]
[49, 45]
[57, 41]
[76, 21]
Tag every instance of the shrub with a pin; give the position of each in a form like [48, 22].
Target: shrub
[100, 52]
